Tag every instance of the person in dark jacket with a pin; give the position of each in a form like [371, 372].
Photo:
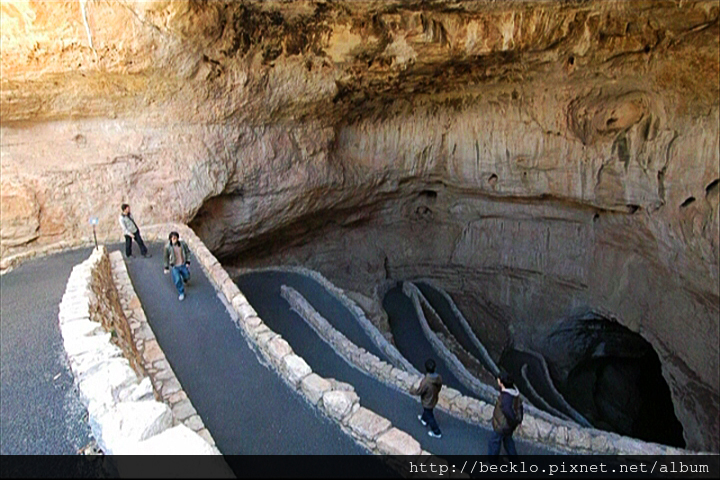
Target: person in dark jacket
[177, 257]
[504, 420]
[429, 390]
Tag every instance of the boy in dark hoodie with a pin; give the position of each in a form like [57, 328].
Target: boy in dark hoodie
[504, 420]
[429, 389]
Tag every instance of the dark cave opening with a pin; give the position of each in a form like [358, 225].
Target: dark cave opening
[613, 377]
[610, 375]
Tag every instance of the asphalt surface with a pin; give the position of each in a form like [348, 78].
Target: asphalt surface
[512, 361]
[262, 289]
[410, 339]
[443, 308]
[40, 408]
[334, 311]
[245, 405]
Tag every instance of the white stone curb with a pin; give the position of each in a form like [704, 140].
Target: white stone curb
[160, 373]
[337, 400]
[121, 406]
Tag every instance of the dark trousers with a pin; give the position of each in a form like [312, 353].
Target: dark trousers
[138, 240]
[429, 417]
[494, 444]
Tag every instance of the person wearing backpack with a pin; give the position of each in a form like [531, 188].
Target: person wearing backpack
[506, 417]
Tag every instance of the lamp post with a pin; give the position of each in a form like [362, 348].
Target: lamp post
[93, 222]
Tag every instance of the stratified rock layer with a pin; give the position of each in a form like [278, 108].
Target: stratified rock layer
[547, 156]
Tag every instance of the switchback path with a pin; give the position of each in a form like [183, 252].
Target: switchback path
[537, 388]
[410, 338]
[262, 289]
[245, 405]
[442, 307]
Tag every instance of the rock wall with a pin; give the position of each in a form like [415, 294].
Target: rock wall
[584, 134]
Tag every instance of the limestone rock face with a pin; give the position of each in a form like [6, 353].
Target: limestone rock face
[556, 155]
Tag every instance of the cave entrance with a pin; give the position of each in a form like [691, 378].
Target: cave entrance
[475, 248]
[613, 377]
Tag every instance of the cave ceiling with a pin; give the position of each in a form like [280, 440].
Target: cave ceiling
[220, 61]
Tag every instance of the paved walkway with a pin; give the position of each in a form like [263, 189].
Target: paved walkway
[410, 339]
[40, 409]
[245, 405]
[262, 289]
[442, 307]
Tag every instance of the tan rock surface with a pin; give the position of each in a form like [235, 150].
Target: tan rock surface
[546, 154]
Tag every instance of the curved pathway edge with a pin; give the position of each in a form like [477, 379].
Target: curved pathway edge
[338, 401]
[124, 415]
[296, 371]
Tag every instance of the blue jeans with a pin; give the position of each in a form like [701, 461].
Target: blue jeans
[429, 417]
[180, 275]
[494, 444]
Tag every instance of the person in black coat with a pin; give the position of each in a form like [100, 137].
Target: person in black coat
[505, 417]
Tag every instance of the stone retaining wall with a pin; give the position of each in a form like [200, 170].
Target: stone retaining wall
[299, 375]
[337, 400]
[7, 263]
[490, 363]
[123, 413]
[544, 428]
[376, 336]
[151, 357]
[483, 391]
[486, 358]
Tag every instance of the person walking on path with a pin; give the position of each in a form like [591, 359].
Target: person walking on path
[506, 417]
[429, 390]
[131, 232]
[177, 257]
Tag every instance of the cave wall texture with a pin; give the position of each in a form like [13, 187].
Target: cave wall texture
[551, 155]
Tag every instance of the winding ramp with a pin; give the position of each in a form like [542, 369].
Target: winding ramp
[263, 291]
[244, 404]
[449, 317]
[529, 370]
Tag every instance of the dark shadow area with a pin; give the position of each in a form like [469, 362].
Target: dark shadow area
[613, 377]
[262, 289]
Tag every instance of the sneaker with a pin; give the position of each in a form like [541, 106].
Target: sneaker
[147, 255]
[181, 297]
[435, 435]
[422, 421]
[130, 256]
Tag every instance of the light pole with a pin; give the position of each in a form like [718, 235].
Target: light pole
[93, 222]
